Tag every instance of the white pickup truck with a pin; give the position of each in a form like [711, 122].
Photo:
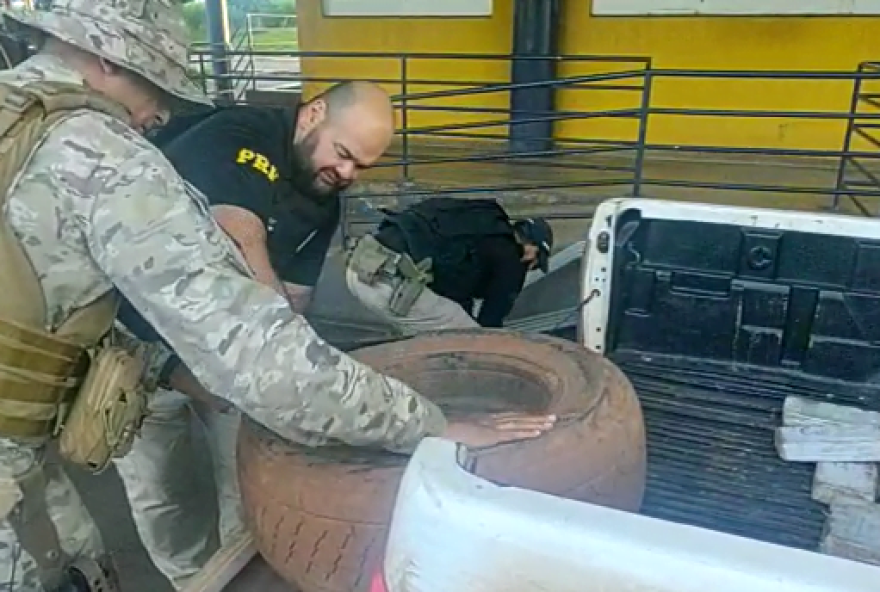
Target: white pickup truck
[716, 314]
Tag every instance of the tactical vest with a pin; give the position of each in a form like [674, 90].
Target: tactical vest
[447, 230]
[39, 371]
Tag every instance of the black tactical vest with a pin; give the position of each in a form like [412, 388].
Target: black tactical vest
[448, 230]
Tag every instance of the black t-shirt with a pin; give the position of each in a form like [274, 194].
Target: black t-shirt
[179, 124]
[240, 156]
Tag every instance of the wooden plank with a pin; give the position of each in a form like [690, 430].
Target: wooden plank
[828, 443]
[257, 576]
[852, 531]
[797, 411]
[853, 480]
[224, 565]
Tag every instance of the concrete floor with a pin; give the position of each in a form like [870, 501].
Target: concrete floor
[104, 496]
[103, 493]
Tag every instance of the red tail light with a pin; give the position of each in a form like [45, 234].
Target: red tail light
[378, 583]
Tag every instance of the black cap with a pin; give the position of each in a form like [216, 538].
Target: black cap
[537, 231]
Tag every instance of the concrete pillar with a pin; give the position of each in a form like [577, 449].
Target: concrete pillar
[218, 39]
[535, 35]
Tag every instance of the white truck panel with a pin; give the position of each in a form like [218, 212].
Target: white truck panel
[454, 532]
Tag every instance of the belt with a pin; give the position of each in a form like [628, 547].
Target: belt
[371, 260]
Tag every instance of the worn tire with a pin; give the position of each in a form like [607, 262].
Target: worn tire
[320, 516]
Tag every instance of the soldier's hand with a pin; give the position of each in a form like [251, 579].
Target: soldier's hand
[497, 428]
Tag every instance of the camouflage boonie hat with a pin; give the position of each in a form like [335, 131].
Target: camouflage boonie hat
[148, 37]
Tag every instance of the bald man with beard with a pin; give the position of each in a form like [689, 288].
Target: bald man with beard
[273, 178]
[273, 175]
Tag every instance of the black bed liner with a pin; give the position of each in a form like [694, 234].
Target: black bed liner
[715, 325]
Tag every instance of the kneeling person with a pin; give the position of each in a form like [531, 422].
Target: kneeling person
[425, 266]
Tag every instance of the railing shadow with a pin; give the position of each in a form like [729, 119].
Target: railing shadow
[857, 174]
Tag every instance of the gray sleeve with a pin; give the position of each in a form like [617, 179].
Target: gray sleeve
[154, 237]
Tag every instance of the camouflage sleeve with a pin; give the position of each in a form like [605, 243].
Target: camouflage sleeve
[154, 237]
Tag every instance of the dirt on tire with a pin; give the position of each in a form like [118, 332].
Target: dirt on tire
[320, 516]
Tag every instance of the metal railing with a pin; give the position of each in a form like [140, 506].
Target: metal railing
[239, 64]
[476, 132]
[857, 174]
[809, 84]
[264, 30]
[453, 137]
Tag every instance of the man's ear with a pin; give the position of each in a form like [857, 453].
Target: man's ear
[312, 115]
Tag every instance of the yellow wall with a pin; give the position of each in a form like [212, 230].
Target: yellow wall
[681, 42]
[791, 43]
[478, 35]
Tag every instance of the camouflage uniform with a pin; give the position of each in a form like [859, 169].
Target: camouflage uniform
[98, 206]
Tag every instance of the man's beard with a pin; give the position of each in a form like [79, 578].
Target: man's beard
[305, 176]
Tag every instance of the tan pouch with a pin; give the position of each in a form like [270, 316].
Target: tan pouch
[405, 296]
[416, 276]
[107, 412]
[369, 257]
